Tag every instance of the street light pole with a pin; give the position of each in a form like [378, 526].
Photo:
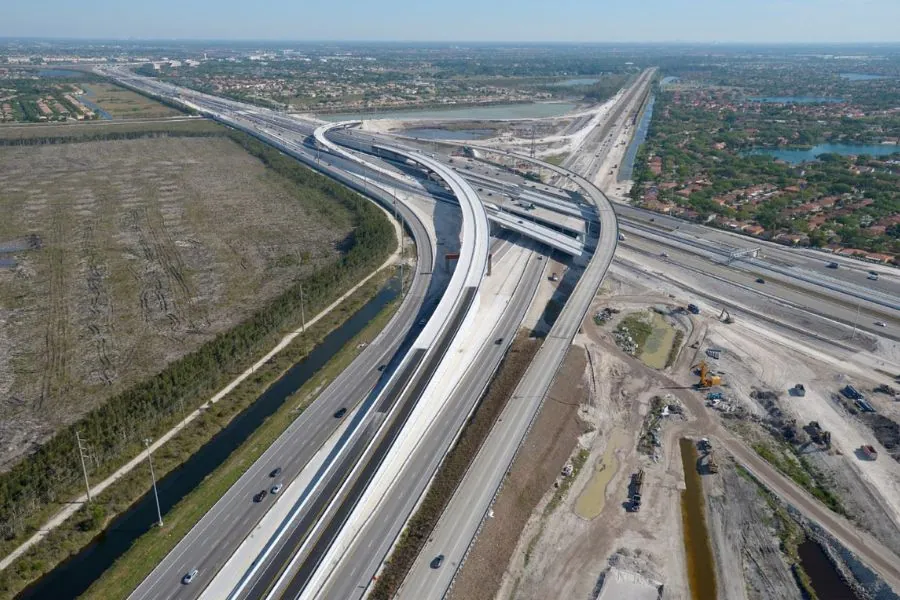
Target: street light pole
[153, 478]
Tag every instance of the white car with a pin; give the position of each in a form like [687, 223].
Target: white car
[880, 324]
[276, 488]
[189, 576]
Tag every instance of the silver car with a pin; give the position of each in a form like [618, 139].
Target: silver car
[189, 576]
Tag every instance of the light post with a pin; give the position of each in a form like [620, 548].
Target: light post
[153, 478]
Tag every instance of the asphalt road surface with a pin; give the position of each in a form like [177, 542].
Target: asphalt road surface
[215, 537]
[372, 544]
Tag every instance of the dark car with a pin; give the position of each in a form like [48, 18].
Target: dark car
[259, 496]
[340, 412]
[498, 341]
[760, 280]
[437, 561]
[382, 367]
[275, 472]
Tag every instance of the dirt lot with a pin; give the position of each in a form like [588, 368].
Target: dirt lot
[549, 445]
[570, 545]
[144, 249]
[122, 103]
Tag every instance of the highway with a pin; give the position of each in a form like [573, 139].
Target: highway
[288, 568]
[350, 575]
[209, 544]
[216, 536]
[469, 506]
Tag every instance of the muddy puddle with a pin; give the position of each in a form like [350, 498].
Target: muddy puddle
[591, 501]
[701, 566]
[657, 346]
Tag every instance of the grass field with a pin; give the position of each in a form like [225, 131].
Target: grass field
[122, 103]
[143, 249]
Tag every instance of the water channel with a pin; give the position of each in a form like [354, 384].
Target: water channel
[627, 167]
[76, 574]
[825, 580]
[701, 565]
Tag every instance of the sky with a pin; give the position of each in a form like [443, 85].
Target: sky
[772, 21]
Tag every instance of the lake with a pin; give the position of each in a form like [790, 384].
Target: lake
[800, 156]
[527, 110]
[60, 73]
[795, 100]
[861, 76]
[574, 82]
[434, 133]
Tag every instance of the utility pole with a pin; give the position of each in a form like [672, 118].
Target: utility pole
[302, 312]
[153, 478]
[81, 449]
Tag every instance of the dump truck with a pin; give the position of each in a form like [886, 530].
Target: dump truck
[869, 452]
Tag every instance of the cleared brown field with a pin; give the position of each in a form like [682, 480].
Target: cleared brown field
[144, 249]
[122, 103]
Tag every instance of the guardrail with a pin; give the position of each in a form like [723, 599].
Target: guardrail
[436, 336]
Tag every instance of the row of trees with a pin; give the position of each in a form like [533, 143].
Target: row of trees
[115, 430]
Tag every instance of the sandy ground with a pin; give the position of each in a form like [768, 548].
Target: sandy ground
[560, 554]
[149, 247]
[549, 445]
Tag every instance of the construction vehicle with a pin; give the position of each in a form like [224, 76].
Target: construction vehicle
[693, 309]
[711, 465]
[798, 390]
[637, 483]
[707, 380]
[869, 452]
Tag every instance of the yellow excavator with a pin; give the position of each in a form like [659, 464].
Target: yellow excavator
[706, 380]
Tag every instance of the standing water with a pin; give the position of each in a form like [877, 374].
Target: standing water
[825, 579]
[637, 141]
[701, 566]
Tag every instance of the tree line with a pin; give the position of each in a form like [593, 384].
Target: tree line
[115, 430]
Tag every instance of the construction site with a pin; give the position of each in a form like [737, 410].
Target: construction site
[615, 522]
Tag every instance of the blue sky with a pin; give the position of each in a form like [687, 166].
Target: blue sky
[461, 20]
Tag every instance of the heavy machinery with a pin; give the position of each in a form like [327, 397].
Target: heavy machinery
[706, 379]
[711, 465]
[637, 483]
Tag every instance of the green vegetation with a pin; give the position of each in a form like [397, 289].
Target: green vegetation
[637, 327]
[790, 534]
[578, 462]
[35, 488]
[556, 159]
[454, 466]
[698, 161]
[133, 566]
[676, 346]
[35, 135]
[802, 472]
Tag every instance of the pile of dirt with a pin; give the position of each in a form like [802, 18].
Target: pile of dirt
[887, 432]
